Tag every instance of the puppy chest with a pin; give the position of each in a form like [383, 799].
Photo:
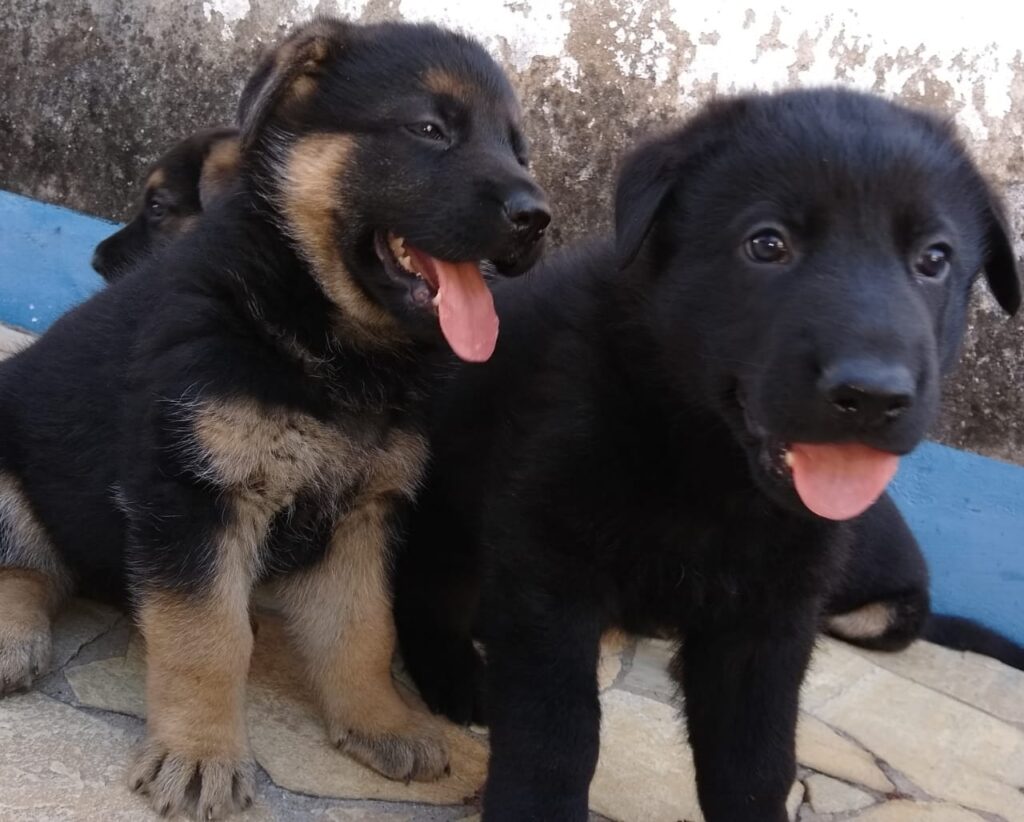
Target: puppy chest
[271, 459]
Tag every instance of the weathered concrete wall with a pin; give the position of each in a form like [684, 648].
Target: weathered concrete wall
[92, 90]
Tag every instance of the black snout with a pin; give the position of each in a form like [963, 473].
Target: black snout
[97, 262]
[867, 394]
[528, 214]
[115, 254]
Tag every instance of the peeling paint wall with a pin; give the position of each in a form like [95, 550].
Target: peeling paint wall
[92, 90]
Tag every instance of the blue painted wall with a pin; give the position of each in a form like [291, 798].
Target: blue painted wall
[44, 260]
[967, 511]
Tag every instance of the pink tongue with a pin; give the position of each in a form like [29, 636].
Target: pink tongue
[465, 307]
[840, 481]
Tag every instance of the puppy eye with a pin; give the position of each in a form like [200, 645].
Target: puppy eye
[768, 246]
[934, 261]
[428, 131]
[156, 209]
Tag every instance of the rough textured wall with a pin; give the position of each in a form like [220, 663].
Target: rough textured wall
[92, 90]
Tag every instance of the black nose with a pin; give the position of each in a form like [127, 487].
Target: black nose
[528, 214]
[98, 263]
[867, 393]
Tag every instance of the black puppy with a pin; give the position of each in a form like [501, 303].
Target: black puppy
[179, 185]
[249, 405]
[669, 444]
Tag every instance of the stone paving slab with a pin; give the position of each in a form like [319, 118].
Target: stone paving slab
[872, 744]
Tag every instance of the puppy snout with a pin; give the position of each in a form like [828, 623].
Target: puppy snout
[529, 215]
[867, 394]
[99, 259]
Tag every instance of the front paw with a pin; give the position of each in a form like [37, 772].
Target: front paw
[416, 751]
[175, 780]
[24, 655]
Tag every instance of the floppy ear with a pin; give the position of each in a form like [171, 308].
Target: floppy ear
[645, 177]
[288, 72]
[649, 173]
[1001, 261]
[220, 168]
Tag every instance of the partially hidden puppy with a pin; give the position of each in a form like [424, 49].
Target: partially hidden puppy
[248, 405]
[674, 444]
[179, 185]
[881, 600]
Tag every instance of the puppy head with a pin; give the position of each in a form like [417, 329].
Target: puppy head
[178, 187]
[393, 157]
[810, 256]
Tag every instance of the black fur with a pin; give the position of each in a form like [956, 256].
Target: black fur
[171, 197]
[968, 635]
[615, 463]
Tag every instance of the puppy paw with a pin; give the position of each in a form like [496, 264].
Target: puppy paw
[24, 655]
[177, 782]
[418, 752]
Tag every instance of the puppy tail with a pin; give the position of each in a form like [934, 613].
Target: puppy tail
[963, 634]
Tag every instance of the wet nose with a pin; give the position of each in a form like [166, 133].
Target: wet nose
[866, 393]
[528, 214]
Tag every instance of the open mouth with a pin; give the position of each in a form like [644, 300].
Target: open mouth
[455, 291]
[837, 481]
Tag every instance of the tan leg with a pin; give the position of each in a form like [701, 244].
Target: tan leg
[867, 622]
[339, 613]
[33, 583]
[197, 661]
[28, 600]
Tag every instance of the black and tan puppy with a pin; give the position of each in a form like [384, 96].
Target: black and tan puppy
[179, 185]
[673, 445]
[262, 416]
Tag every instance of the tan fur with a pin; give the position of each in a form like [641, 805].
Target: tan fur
[439, 81]
[199, 647]
[156, 179]
[219, 169]
[24, 542]
[340, 609]
[197, 660]
[28, 600]
[312, 200]
[340, 616]
[868, 622]
[297, 63]
[265, 457]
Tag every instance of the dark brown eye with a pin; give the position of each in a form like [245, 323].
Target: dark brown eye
[768, 246]
[429, 131]
[156, 209]
[933, 262]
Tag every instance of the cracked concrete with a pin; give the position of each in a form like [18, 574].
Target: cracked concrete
[93, 90]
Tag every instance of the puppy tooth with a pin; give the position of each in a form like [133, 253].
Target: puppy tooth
[788, 457]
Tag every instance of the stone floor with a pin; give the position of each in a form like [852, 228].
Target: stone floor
[928, 734]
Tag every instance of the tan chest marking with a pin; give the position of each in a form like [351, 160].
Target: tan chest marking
[266, 457]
